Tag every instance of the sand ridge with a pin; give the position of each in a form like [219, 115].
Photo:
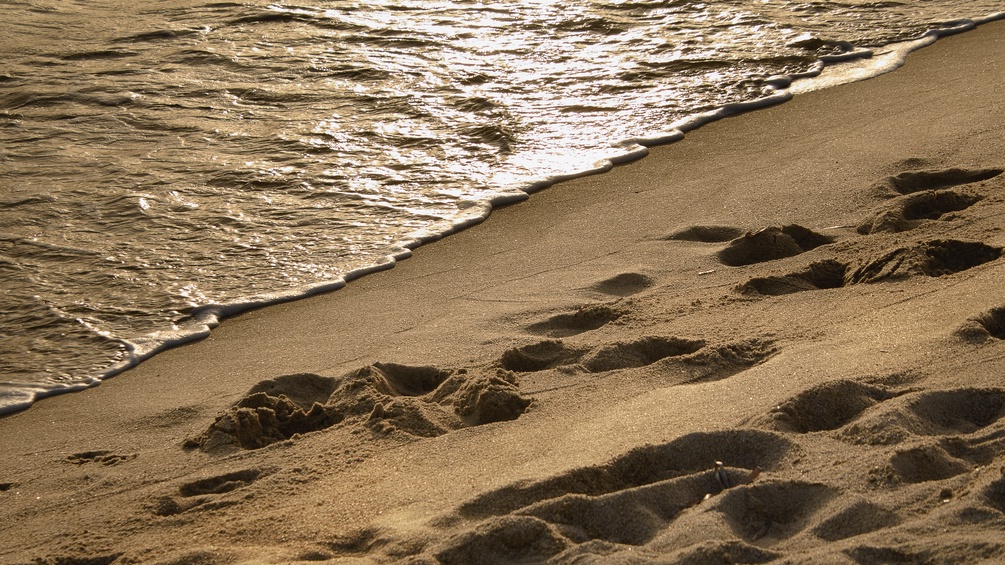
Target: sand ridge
[795, 356]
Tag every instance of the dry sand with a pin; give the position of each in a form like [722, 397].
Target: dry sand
[813, 291]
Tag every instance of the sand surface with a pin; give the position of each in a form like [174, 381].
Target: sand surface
[781, 339]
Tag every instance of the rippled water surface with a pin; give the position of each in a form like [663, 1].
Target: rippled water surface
[162, 161]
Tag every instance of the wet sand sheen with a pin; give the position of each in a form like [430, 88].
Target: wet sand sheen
[589, 373]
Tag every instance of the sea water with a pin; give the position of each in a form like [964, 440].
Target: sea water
[165, 164]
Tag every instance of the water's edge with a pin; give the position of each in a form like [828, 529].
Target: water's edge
[855, 66]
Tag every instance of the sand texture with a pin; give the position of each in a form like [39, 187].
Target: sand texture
[779, 340]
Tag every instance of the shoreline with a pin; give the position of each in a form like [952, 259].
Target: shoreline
[613, 246]
[835, 71]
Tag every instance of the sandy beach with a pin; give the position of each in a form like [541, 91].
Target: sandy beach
[781, 339]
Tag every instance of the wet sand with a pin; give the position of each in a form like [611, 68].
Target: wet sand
[782, 338]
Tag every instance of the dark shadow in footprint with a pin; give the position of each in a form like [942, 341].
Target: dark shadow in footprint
[706, 234]
[826, 406]
[409, 380]
[934, 205]
[220, 483]
[386, 398]
[203, 494]
[932, 258]
[907, 212]
[926, 463]
[687, 455]
[717, 362]
[769, 244]
[540, 356]
[910, 182]
[724, 551]
[990, 324]
[638, 353]
[818, 276]
[303, 389]
[506, 539]
[980, 450]
[585, 319]
[103, 457]
[771, 512]
[931, 413]
[641, 511]
[994, 494]
[273, 410]
[859, 517]
[958, 411]
[624, 284]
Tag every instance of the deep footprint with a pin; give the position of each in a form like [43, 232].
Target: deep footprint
[625, 284]
[984, 326]
[774, 511]
[926, 463]
[907, 212]
[686, 455]
[854, 519]
[540, 356]
[910, 182]
[386, 398]
[994, 494]
[638, 353]
[587, 318]
[769, 244]
[930, 413]
[220, 484]
[827, 406]
[706, 234]
[202, 493]
[818, 276]
[103, 457]
[620, 355]
[932, 259]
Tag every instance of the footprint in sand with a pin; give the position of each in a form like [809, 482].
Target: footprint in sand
[929, 413]
[984, 326]
[624, 284]
[940, 457]
[769, 244]
[854, 517]
[820, 275]
[926, 462]
[910, 182]
[922, 195]
[104, 457]
[648, 489]
[705, 234]
[205, 494]
[638, 353]
[908, 212]
[934, 258]
[823, 407]
[741, 450]
[584, 319]
[994, 494]
[387, 398]
[695, 359]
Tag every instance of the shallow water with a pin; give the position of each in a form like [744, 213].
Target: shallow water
[163, 164]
